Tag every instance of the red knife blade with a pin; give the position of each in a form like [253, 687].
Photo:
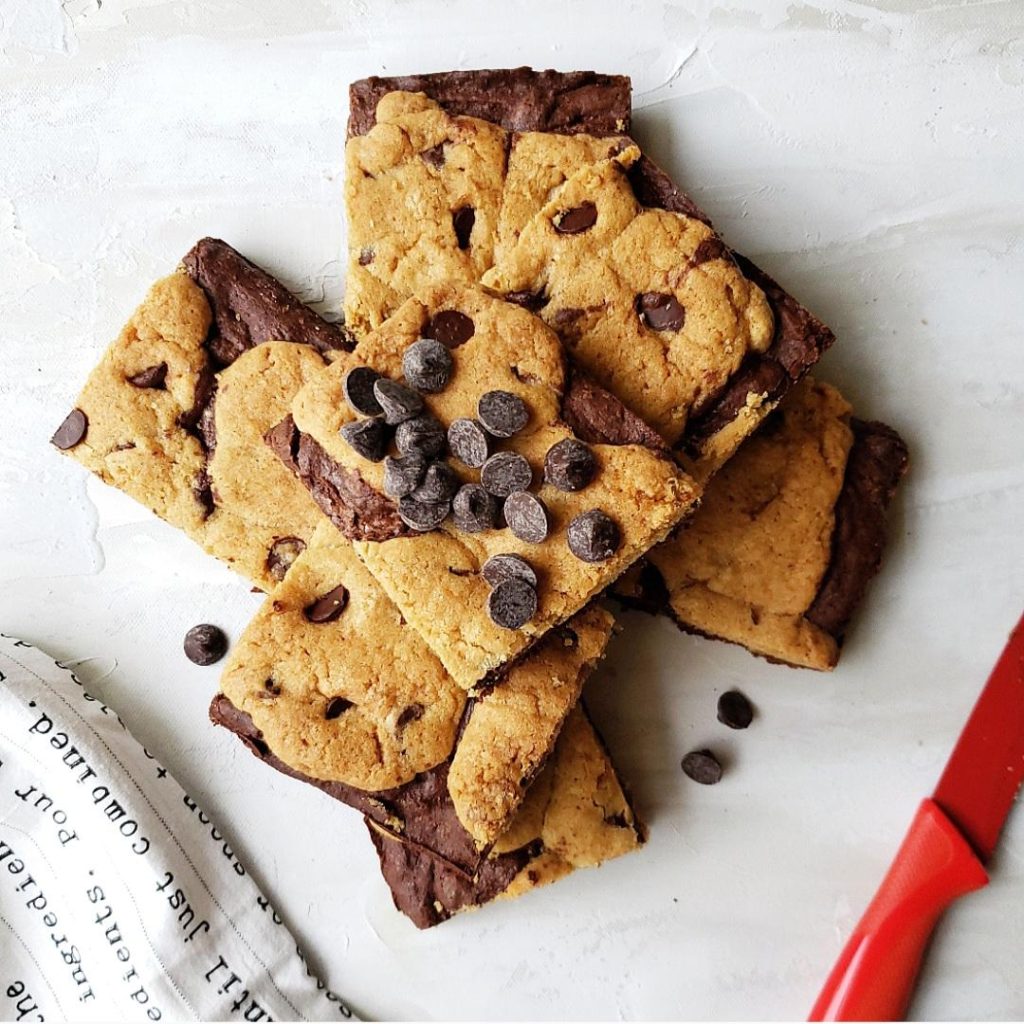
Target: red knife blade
[942, 856]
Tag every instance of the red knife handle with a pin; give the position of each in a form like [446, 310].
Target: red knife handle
[875, 974]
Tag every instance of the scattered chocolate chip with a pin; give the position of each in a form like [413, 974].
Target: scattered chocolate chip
[593, 536]
[709, 249]
[422, 516]
[579, 218]
[473, 509]
[368, 437]
[434, 157]
[505, 472]
[660, 312]
[398, 402]
[327, 608]
[402, 474]
[734, 710]
[702, 766]
[358, 388]
[468, 442]
[462, 221]
[562, 318]
[422, 435]
[282, 553]
[502, 413]
[512, 603]
[71, 431]
[533, 301]
[440, 483]
[526, 516]
[427, 365]
[336, 707]
[205, 644]
[412, 713]
[499, 568]
[450, 327]
[569, 465]
[366, 256]
[152, 377]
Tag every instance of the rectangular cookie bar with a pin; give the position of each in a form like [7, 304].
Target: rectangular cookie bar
[175, 412]
[788, 536]
[429, 193]
[328, 683]
[577, 535]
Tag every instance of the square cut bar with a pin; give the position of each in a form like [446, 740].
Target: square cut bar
[788, 536]
[435, 577]
[175, 412]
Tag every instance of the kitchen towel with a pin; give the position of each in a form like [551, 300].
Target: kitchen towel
[119, 898]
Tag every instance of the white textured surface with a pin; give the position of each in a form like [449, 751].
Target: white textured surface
[869, 154]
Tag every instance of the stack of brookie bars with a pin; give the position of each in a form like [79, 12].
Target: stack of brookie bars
[553, 381]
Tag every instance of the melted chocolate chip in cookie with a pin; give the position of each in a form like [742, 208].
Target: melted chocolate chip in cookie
[327, 608]
[463, 220]
[152, 377]
[450, 327]
[660, 311]
[336, 707]
[282, 553]
[578, 219]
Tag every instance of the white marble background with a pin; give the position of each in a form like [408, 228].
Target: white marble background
[870, 154]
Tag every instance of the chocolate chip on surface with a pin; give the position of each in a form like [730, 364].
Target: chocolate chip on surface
[468, 442]
[427, 365]
[499, 568]
[660, 312]
[422, 516]
[434, 157]
[533, 301]
[336, 707]
[473, 509]
[526, 516]
[505, 472]
[593, 536]
[71, 431]
[450, 327]
[403, 474]
[502, 413]
[398, 402]
[440, 482]
[463, 220]
[152, 377]
[410, 714]
[702, 766]
[569, 465]
[282, 553]
[422, 435]
[205, 644]
[358, 388]
[366, 256]
[579, 218]
[327, 608]
[512, 603]
[709, 249]
[368, 437]
[734, 710]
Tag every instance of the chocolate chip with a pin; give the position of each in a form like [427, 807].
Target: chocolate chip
[527, 517]
[71, 431]
[270, 689]
[151, 377]
[462, 221]
[702, 766]
[593, 536]
[422, 516]
[579, 218]
[422, 435]
[366, 256]
[427, 365]
[567, 637]
[205, 644]
[402, 474]
[505, 472]
[709, 249]
[327, 608]
[368, 438]
[512, 603]
[473, 509]
[358, 388]
[569, 465]
[499, 568]
[533, 301]
[434, 157]
[502, 413]
[336, 707]
[398, 402]
[734, 710]
[412, 713]
[660, 312]
[449, 327]
[282, 553]
[468, 442]
[440, 483]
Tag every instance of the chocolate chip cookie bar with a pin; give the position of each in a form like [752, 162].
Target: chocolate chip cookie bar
[788, 536]
[435, 530]
[175, 412]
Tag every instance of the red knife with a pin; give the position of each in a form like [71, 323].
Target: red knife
[942, 857]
